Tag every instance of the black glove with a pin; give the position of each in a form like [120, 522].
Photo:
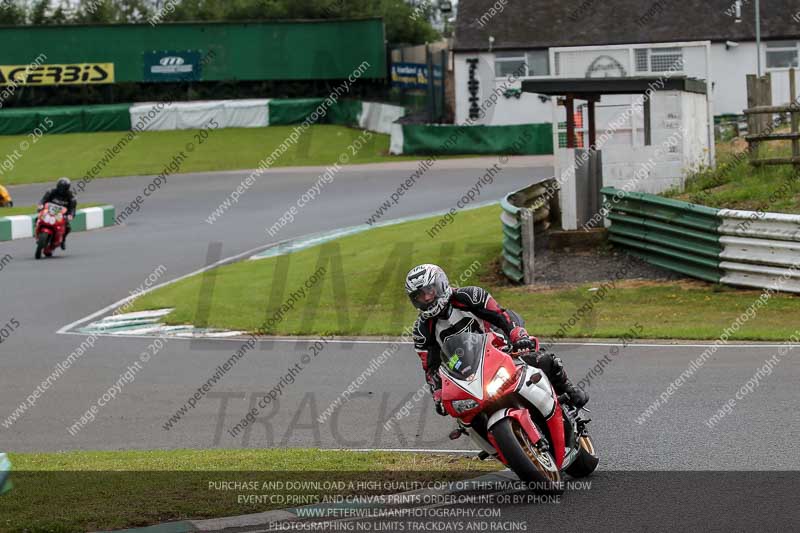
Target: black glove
[524, 344]
[521, 341]
[439, 407]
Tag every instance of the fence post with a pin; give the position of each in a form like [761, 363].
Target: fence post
[759, 94]
[528, 254]
[793, 115]
[431, 85]
[753, 121]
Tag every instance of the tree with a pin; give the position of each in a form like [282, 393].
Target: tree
[112, 11]
[13, 13]
[402, 26]
[39, 12]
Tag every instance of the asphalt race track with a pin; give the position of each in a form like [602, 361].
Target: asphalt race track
[102, 267]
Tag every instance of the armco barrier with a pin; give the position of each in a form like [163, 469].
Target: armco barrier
[668, 233]
[89, 218]
[741, 248]
[526, 213]
[759, 248]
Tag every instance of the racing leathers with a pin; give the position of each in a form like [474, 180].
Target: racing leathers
[473, 309]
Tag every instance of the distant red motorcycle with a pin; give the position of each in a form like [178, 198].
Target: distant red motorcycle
[50, 228]
[511, 411]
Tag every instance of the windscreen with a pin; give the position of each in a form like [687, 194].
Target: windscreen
[462, 353]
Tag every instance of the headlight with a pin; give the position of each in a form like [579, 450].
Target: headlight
[498, 381]
[459, 406]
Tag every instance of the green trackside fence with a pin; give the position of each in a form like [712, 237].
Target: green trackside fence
[740, 248]
[448, 139]
[526, 214]
[22, 226]
[251, 50]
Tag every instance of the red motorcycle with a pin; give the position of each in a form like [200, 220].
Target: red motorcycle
[511, 411]
[50, 228]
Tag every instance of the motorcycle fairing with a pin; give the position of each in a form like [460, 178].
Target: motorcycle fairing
[474, 387]
[523, 417]
[555, 424]
[538, 393]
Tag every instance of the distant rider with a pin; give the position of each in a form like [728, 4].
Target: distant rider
[62, 195]
[5, 198]
[445, 311]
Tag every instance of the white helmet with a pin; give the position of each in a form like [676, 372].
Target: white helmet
[429, 290]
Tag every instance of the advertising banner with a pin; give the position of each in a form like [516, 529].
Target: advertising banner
[72, 74]
[410, 75]
[172, 66]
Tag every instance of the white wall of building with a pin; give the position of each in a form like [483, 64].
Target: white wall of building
[679, 144]
[680, 133]
[528, 109]
[732, 65]
[729, 67]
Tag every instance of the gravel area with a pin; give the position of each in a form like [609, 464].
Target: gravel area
[575, 267]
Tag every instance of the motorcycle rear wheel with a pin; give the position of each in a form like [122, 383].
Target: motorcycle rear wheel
[41, 244]
[587, 459]
[531, 464]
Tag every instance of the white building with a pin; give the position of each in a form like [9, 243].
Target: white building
[596, 38]
[653, 143]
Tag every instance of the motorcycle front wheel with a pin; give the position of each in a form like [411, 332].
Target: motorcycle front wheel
[41, 243]
[587, 459]
[532, 464]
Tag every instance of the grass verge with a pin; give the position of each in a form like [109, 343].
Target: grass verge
[90, 491]
[74, 154]
[361, 291]
[31, 209]
[735, 184]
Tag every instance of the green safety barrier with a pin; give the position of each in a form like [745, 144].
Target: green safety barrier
[284, 112]
[523, 139]
[675, 235]
[65, 119]
[117, 117]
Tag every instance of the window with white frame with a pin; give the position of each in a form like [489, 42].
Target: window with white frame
[659, 59]
[782, 54]
[538, 63]
[520, 63]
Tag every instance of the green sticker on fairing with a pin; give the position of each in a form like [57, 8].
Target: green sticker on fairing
[452, 362]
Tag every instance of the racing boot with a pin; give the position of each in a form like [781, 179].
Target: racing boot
[577, 397]
[64, 239]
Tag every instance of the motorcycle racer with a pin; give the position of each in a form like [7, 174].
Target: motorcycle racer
[5, 198]
[445, 311]
[62, 195]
